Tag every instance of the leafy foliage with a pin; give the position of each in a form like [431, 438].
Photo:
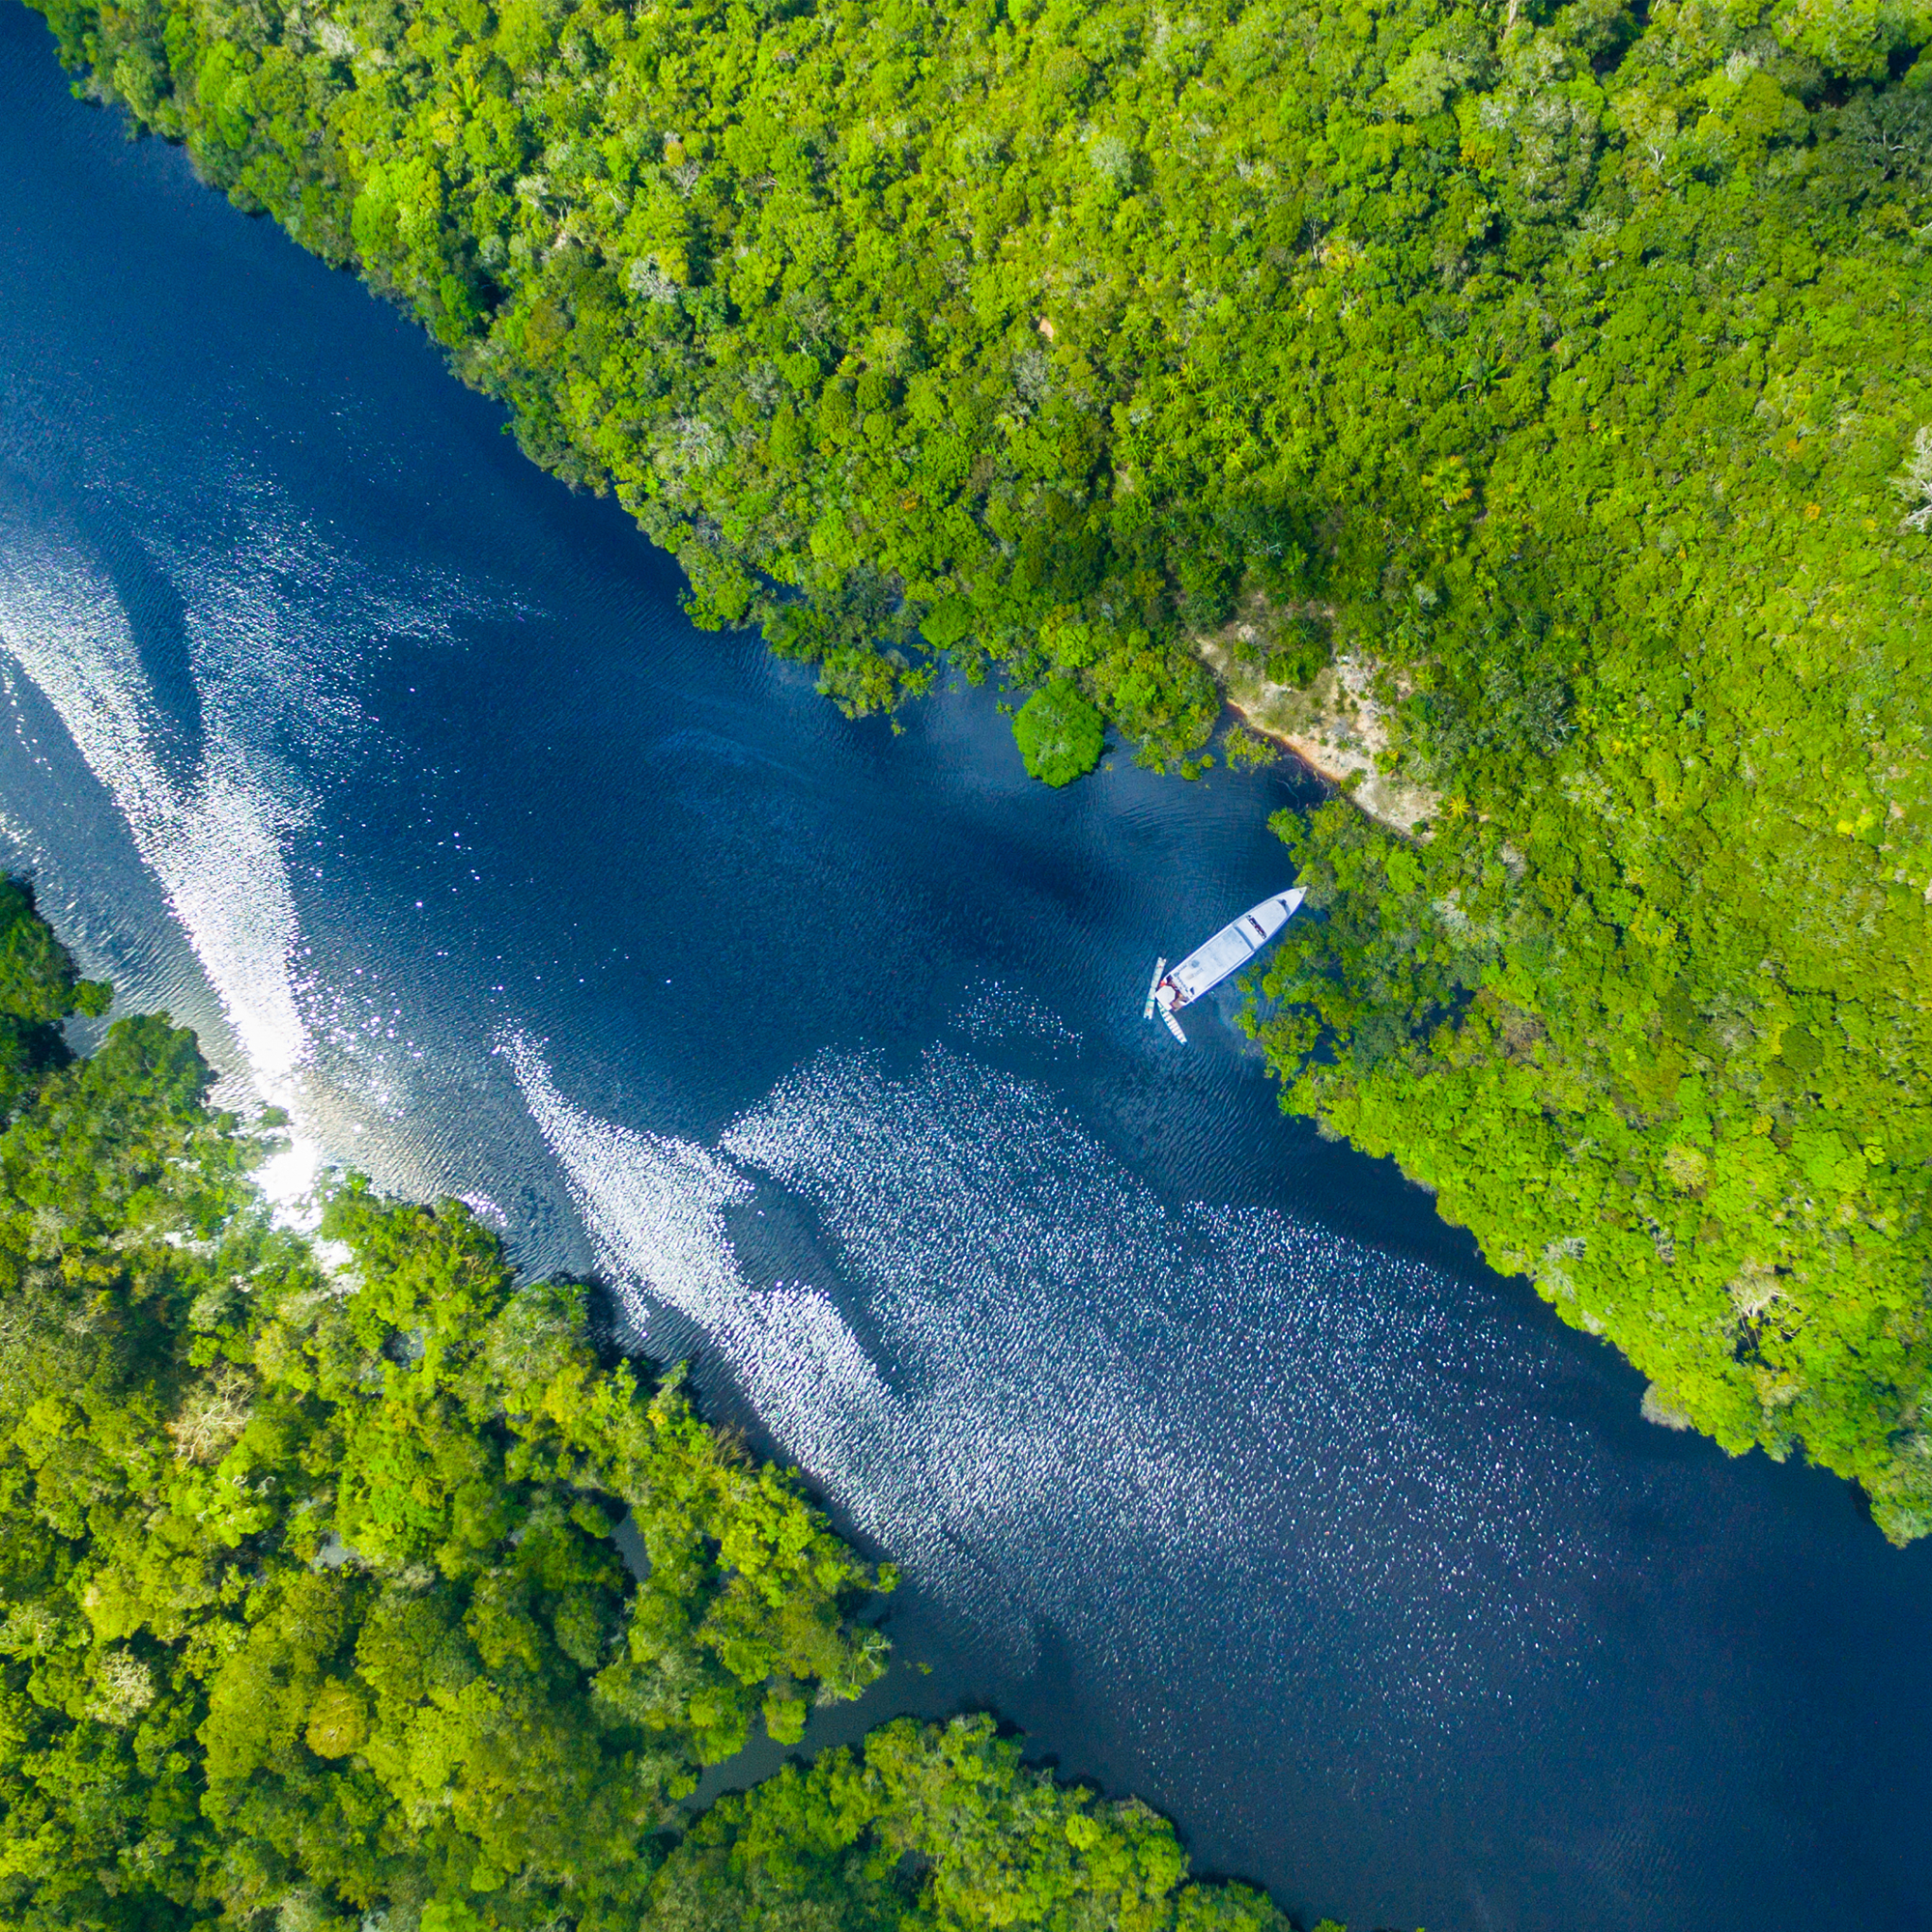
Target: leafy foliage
[1687, 1101]
[38, 989]
[1564, 361]
[938, 1828]
[1648, 1010]
[1059, 734]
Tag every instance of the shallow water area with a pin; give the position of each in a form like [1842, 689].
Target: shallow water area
[1212, 1458]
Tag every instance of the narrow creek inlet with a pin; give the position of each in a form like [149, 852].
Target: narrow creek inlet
[1211, 1457]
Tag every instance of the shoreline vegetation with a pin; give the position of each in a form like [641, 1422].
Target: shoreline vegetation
[311, 1610]
[1566, 359]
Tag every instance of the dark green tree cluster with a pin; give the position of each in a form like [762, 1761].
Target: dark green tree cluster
[1560, 367]
[312, 1604]
[37, 991]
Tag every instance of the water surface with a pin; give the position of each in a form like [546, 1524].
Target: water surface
[1212, 1458]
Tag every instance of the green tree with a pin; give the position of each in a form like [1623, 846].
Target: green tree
[1059, 734]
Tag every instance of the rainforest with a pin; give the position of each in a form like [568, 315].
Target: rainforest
[1555, 372]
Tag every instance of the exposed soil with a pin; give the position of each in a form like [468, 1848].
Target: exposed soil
[1334, 725]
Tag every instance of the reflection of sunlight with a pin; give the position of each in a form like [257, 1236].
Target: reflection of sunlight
[213, 836]
[1067, 1399]
[277, 624]
[288, 1181]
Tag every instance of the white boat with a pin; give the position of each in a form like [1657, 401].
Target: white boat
[1227, 952]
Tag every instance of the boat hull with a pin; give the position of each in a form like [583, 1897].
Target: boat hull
[1227, 952]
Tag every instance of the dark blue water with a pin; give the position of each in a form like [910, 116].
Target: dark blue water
[1212, 1458]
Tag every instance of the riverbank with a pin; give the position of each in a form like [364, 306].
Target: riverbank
[1390, 379]
[1334, 725]
[1328, 1498]
[321, 1563]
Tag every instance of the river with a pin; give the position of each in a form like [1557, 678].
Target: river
[1213, 1459]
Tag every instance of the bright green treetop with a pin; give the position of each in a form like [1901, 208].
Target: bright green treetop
[1059, 734]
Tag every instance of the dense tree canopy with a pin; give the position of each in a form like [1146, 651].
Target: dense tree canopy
[933, 1828]
[308, 1565]
[312, 1606]
[1564, 365]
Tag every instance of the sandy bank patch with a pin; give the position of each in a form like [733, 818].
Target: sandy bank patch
[1335, 726]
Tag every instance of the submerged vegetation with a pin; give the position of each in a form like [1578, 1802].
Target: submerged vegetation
[1563, 364]
[312, 1611]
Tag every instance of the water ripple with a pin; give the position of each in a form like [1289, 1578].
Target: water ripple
[1080, 1406]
